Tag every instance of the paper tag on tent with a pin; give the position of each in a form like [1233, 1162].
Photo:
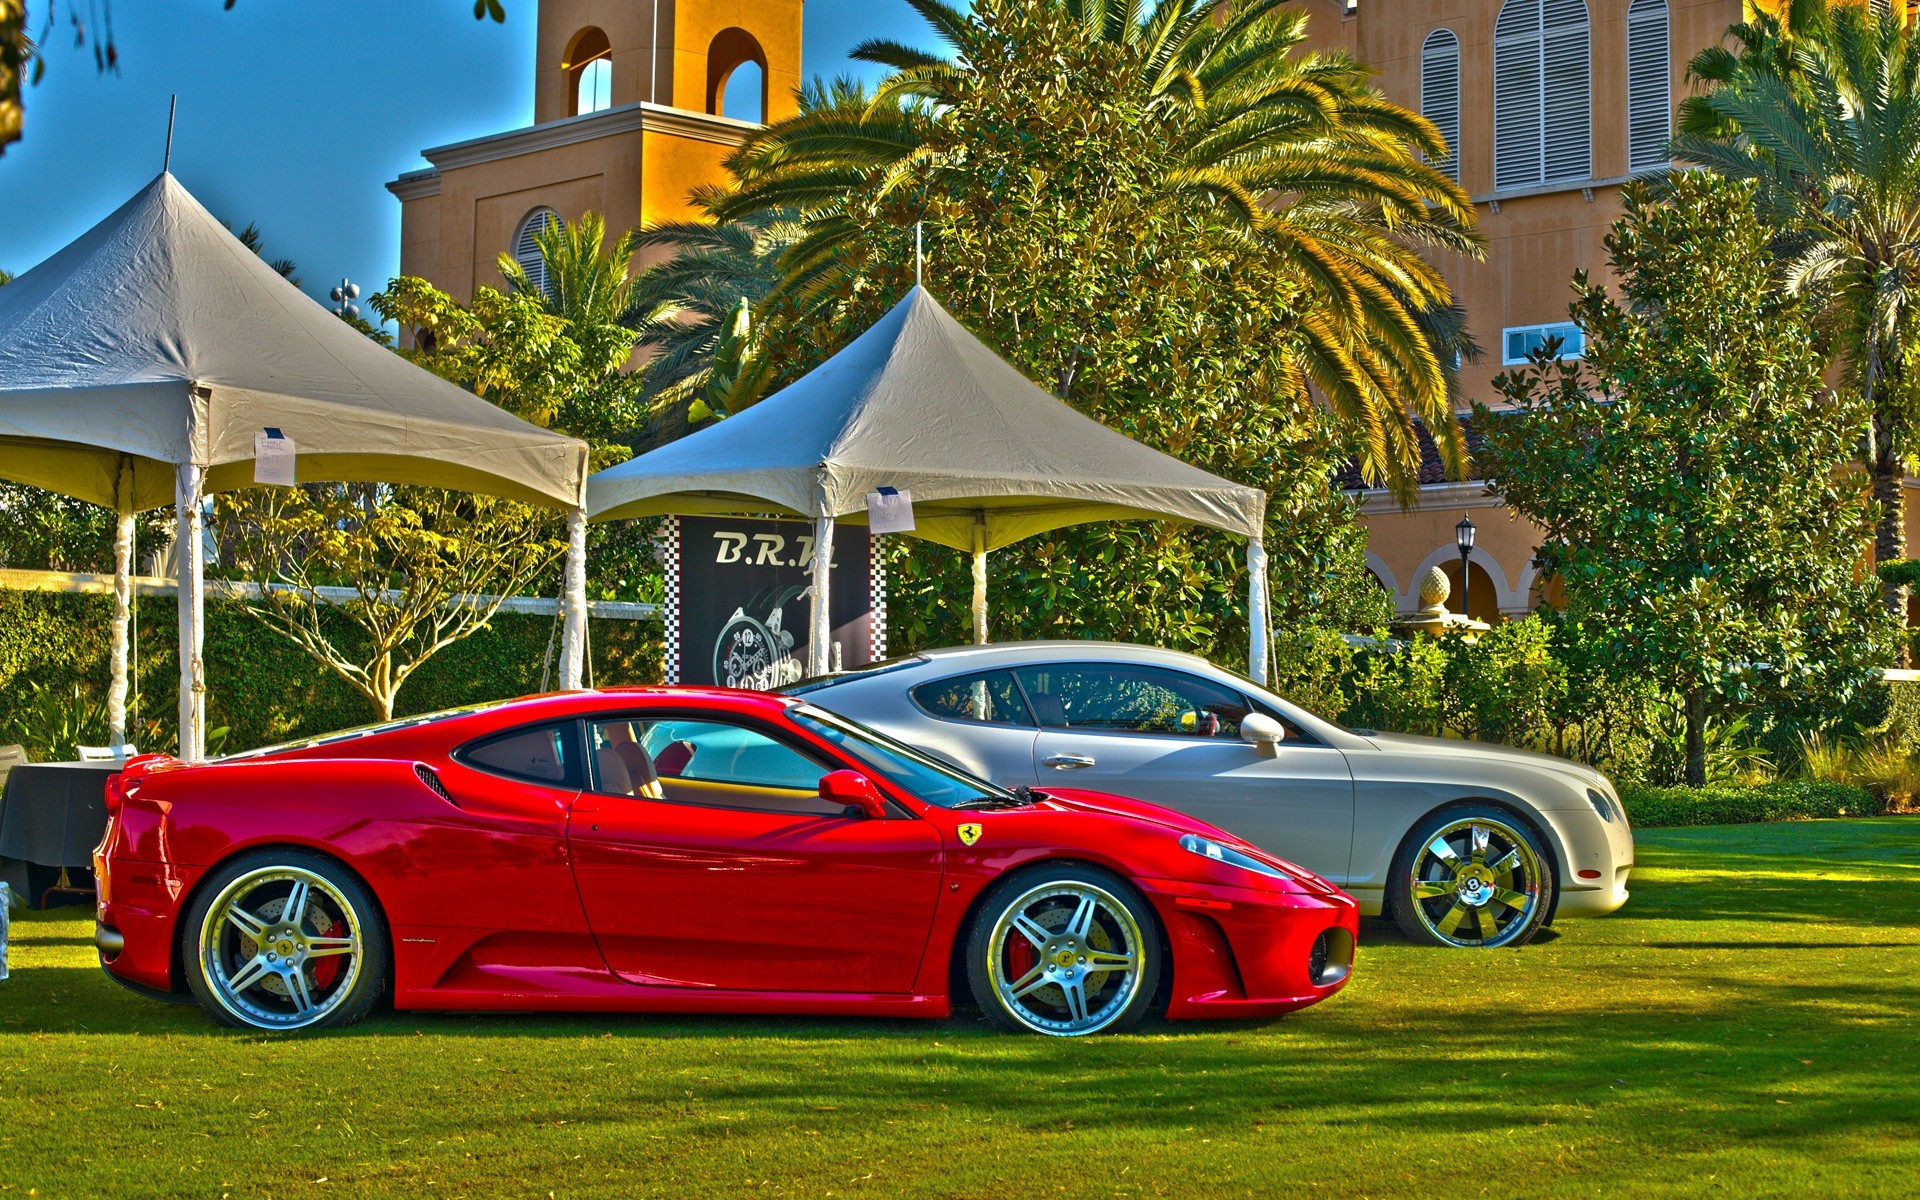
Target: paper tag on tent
[889, 510]
[273, 458]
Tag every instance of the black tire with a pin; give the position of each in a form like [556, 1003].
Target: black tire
[1049, 899]
[328, 968]
[1492, 898]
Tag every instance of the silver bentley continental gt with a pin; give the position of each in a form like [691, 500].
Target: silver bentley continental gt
[1462, 843]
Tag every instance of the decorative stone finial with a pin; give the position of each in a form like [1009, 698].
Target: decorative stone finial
[1435, 589]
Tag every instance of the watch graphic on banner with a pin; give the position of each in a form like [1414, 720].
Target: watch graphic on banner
[754, 651]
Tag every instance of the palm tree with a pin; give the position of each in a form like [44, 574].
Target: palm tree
[696, 314]
[589, 287]
[1821, 109]
[251, 238]
[1291, 153]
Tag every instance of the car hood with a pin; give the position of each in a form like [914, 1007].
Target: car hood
[1074, 800]
[1491, 754]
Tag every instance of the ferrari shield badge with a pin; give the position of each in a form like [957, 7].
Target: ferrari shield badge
[969, 833]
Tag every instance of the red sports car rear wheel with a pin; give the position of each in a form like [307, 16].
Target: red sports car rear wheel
[282, 940]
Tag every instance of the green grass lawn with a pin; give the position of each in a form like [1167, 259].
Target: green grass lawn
[1749, 1025]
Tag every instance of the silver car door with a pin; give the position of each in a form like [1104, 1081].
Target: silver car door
[1172, 738]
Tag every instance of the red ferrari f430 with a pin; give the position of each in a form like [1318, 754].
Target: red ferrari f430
[684, 850]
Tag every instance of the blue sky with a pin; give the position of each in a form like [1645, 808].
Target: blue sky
[294, 113]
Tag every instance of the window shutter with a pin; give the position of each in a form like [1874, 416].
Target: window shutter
[1517, 133]
[526, 251]
[1567, 109]
[1649, 86]
[1440, 94]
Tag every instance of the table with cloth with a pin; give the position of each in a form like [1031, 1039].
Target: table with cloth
[51, 818]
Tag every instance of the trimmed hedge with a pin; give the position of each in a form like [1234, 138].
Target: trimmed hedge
[263, 687]
[1783, 800]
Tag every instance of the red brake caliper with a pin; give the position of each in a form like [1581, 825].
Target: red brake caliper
[326, 970]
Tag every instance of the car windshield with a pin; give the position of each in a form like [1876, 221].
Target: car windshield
[922, 776]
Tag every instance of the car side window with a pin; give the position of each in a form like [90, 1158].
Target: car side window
[1123, 698]
[621, 764]
[730, 766]
[538, 755]
[990, 697]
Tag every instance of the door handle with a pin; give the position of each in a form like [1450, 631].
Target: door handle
[1068, 762]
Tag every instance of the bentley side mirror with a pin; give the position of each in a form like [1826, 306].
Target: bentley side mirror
[853, 789]
[1264, 732]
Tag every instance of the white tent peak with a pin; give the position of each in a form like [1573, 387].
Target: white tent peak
[157, 335]
[917, 402]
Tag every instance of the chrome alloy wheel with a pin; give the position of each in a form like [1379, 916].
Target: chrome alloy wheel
[281, 948]
[1065, 958]
[1476, 883]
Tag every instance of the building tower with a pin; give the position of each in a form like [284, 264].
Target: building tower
[636, 104]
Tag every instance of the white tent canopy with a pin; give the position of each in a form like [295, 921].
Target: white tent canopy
[138, 364]
[919, 404]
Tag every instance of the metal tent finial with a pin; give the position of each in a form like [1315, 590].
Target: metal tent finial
[166, 160]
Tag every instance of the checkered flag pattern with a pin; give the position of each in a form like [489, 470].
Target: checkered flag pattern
[877, 593]
[667, 548]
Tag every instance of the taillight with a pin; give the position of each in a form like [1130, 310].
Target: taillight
[116, 793]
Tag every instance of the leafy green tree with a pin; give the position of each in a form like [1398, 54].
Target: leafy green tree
[1690, 476]
[422, 568]
[696, 315]
[1093, 186]
[1093, 175]
[1819, 108]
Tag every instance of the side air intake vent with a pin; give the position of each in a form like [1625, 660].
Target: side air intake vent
[433, 783]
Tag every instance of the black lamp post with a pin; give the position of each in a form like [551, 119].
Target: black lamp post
[1463, 538]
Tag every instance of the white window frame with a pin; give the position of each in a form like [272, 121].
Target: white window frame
[593, 85]
[1440, 94]
[1566, 331]
[1649, 85]
[1542, 93]
[526, 251]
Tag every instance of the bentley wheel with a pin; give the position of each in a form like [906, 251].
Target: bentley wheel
[1474, 877]
[1064, 951]
[283, 940]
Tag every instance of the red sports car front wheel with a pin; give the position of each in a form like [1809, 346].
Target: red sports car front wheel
[280, 940]
[1064, 950]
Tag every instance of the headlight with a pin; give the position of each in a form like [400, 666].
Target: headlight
[1601, 804]
[1208, 848]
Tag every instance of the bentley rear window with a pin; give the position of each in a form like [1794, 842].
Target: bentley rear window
[990, 697]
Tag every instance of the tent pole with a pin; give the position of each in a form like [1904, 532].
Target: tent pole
[979, 580]
[122, 605]
[820, 623]
[188, 532]
[1257, 610]
[573, 602]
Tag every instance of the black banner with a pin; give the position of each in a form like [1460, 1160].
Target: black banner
[738, 603]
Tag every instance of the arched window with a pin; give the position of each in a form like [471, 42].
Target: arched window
[1649, 85]
[589, 69]
[1440, 94]
[526, 250]
[737, 76]
[1542, 93]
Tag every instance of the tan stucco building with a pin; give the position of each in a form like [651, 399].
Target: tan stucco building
[618, 129]
[1551, 106]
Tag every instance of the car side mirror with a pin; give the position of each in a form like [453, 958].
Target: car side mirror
[1264, 732]
[851, 788]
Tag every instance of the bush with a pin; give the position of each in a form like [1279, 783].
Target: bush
[1785, 800]
[259, 685]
